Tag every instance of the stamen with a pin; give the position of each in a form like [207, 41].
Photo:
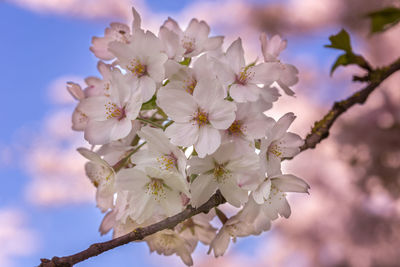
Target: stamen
[220, 173]
[137, 68]
[274, 149]
[189, 44]
[167, 162]
[236, 128]
[244, 76]
[190, 85]
[200, 117]
[113, 111]
[156, 188]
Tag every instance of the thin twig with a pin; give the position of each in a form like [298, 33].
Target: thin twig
[321, 128]
[319, 132]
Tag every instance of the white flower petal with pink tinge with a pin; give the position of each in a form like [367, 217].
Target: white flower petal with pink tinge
[202, 189]
[103, 132]
[233, 194]
[178, 105]
[183, 134]
[208, 141]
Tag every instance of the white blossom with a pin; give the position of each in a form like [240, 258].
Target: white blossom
[110, 116]
[243, 80]
[102, 175]
[279, 144]
[152, 190]
[143, 59]
[223, 170]
[287, 72]
[191, 42]
[198, 117]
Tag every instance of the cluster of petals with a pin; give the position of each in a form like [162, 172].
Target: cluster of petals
[175, 118]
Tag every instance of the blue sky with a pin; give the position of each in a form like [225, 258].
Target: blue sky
[37, 49]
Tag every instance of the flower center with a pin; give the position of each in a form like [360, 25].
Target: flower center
[220, 173]
[244, 76]
[113, 111]
[274, 149]
[156, 188]
[235, 128]
[188, 44]
[201, 117]
[167, 162]
[137, 68]
[189, 86]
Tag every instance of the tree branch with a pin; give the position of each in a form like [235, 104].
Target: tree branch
[137, 234]
[319, 132]
[321, 128]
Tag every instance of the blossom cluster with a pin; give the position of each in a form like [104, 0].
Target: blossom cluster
[174, 119]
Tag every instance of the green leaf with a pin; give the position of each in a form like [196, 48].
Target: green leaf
[151, 104]
[340, 61]
[340, 41]
[384, 19]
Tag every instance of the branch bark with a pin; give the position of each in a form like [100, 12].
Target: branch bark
[321, 128]
[319, 132]
[137, 234]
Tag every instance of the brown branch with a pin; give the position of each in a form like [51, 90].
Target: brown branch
[137, 234]
[319, 132]
[321, 128]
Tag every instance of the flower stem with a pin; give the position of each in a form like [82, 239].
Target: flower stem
[150, 122]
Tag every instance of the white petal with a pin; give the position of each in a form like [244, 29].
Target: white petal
[248, 161]
[265, 73]
[292, 140]
[183, 134]
[285, 88]
[220, 243]
[262, 192]
[172, 203]
[121, 129]
[137, 21]
[233, 194]
[202, 189]
[94, 107]
[224, 73]
[200, 165]
[222, 114]
[235, 55]
[213, 43]
[155, 67]
[75, 90]
[273, 165]
[132, 179]
[79, 120]
[93, 156]
[207, 92]
[282, 125]
[157, 138]
[208, 141]
[108, 222]
[134, 105]
[179, 105]
[99, 132]
[244, 93]
[147, 86]
[224, 153]
[288, 75]
[255, 127]
[290, 183]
